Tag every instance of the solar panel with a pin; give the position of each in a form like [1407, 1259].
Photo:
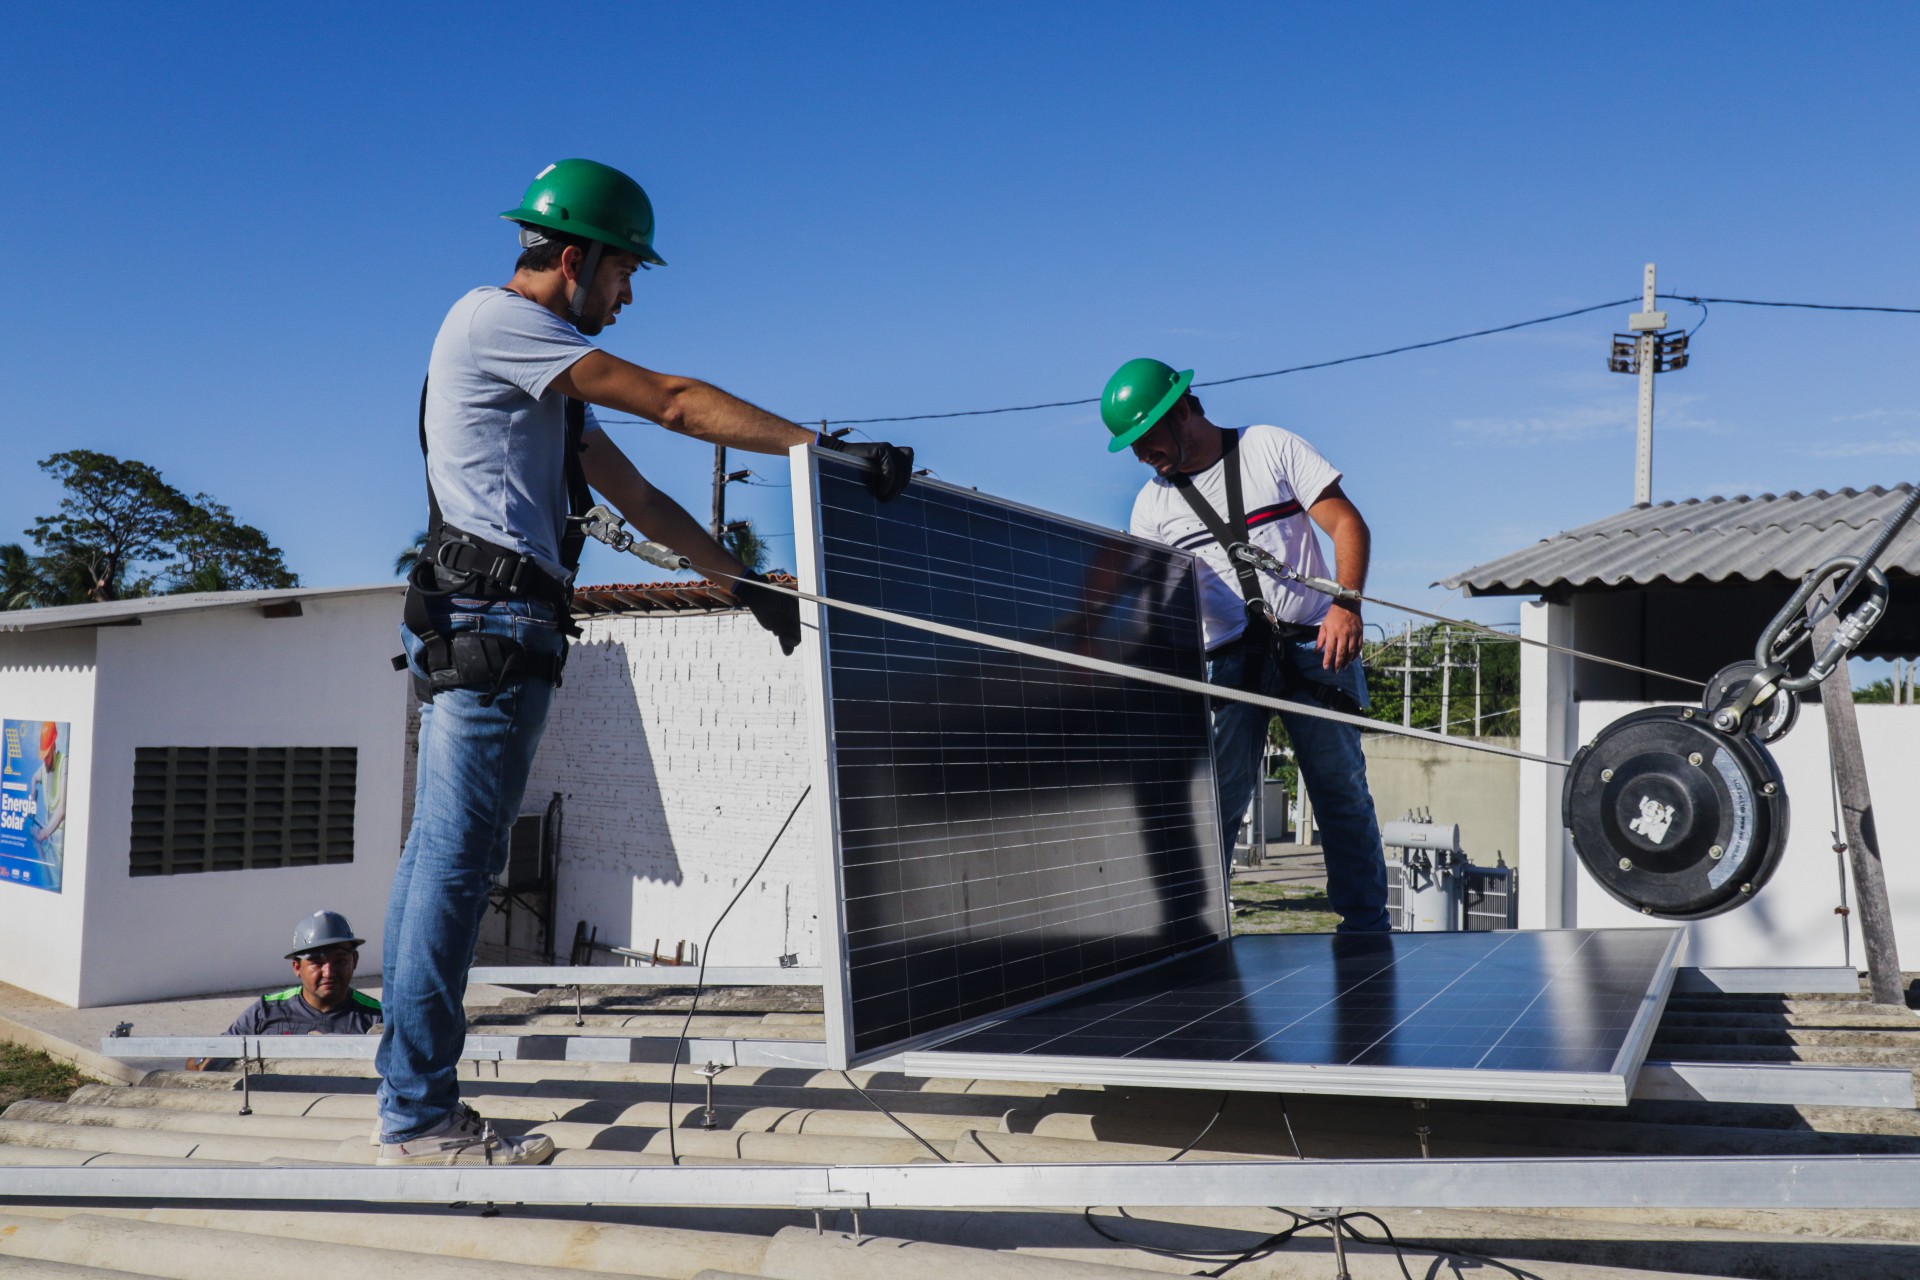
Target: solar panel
[1003, 829]
[1557, 1016]
[1025, 872]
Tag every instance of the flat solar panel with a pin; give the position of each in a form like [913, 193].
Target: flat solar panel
[1561, 1015]
[1003, 828]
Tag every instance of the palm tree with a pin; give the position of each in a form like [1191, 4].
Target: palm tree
[403, 563]
[746, 545]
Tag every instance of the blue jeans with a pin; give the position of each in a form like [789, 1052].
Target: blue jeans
[1331, 765]
[473, 765]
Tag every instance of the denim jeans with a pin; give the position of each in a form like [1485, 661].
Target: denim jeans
[473, 765]
[1331, 765]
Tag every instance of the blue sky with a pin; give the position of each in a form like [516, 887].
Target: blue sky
[235, 233]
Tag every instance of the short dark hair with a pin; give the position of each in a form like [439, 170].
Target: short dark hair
[545, 256]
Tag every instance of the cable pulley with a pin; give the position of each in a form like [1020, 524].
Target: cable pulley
[1673, 817]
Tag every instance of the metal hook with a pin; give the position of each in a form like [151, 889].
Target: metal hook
[1790, 628]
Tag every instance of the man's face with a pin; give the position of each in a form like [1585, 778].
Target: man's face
[612, 289]
[1161, 448]
[326, 977]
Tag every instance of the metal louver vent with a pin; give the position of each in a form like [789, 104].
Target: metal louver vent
[241, 808]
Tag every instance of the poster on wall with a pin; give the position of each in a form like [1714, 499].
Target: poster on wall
[33, 802]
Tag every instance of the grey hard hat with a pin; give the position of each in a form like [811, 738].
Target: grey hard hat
[321, 930]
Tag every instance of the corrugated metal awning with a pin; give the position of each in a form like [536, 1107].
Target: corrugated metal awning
[1705, 540]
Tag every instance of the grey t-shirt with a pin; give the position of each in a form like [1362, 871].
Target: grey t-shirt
[496, 437]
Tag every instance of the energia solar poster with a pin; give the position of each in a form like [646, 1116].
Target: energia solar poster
[33, 802]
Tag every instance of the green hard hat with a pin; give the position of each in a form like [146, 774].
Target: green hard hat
[587, 199]
[1138, 395]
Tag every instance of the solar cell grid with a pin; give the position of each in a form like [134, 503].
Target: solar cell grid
[1563, 1001]
[1006, 828]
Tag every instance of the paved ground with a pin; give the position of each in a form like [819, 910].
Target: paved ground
[1288, 864]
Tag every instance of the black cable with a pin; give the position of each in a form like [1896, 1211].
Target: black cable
[1204, 1130]
[1249, 377]
[1397, 1247]
[1298, 1154]
[875, 1102]
[700, 979]
[1797, 306]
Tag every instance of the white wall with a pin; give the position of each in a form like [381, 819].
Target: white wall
[50, 676]
[680, 744]
[1791, 920]
[233, 678]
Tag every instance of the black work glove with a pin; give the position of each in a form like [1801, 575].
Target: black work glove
[889, 466]
[774, 610]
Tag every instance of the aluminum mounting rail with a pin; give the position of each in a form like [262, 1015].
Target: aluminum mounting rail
[1593, 1182]
[530, 1048]
[639, 975]
[1792, 1084]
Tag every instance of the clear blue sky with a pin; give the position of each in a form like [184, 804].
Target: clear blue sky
[234, 233]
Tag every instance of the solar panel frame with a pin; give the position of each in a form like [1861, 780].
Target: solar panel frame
[836, 976]
[1611, 1086]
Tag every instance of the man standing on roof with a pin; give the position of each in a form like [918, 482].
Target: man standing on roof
[326, 951]
[512, 449]
[1217, 486]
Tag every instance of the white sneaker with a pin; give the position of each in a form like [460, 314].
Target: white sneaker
[464, 1138]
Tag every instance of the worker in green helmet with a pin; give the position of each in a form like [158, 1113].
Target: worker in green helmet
[514, 455]
[1214, 488]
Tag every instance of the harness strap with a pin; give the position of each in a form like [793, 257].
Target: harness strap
[1257, 639]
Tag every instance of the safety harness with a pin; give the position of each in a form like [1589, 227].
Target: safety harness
[1257, 640]
[455, 562]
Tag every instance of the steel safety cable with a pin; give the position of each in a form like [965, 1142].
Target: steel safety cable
[1104, 667]
[1541, 644]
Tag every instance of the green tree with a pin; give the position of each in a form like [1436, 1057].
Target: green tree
[1427, 651]
[121, 530]
[217, 553]
[115, 519]
[746, 545]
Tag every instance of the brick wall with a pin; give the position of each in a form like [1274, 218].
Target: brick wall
[679, 744]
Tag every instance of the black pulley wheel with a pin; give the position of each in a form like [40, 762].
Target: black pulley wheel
[1674, 818]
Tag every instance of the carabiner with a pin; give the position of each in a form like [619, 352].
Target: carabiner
[1790, 628]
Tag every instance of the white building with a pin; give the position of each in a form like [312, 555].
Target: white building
[222, 765]
[1687, 588]
[233, 762]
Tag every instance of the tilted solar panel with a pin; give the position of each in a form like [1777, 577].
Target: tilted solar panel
[1003, 828]
[1548, 1015]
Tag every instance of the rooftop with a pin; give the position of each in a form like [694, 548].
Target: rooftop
[121, 613]
[1771, 537]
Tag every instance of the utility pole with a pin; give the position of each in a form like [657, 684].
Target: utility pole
[721, 479]
[1446, 676]
[1406, 681]
[1856, 814]
[1643, 440]
[1646, 349]
[1476, 686]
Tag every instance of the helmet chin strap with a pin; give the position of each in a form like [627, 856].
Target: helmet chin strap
[577, 302]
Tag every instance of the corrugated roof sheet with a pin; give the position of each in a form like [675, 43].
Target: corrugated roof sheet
[122, 612]
[1705, 540]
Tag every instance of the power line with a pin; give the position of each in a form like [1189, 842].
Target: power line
[1696, 299]
[1798, 306]
[1248, 377]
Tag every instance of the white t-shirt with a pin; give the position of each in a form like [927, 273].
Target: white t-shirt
[496, 438]
[1281, 475]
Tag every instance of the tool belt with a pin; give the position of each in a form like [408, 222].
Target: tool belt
[457, 563]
